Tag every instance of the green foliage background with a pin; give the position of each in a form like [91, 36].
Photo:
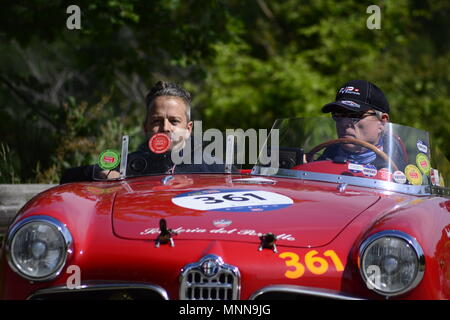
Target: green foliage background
[65, 94]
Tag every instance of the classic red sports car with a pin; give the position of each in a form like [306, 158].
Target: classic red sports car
[310, 223]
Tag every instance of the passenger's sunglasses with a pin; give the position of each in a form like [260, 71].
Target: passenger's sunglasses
[356, 116]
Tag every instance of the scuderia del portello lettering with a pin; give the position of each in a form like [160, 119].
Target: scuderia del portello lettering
[242, 232]
[230, 309]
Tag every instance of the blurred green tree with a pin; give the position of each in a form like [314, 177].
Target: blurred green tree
[247, 63]
[53, 79]
[290, 57]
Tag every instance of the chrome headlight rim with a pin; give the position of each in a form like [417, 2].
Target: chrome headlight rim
[409, 240]
[62, 228]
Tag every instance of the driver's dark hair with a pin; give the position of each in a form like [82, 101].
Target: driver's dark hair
[165, 88]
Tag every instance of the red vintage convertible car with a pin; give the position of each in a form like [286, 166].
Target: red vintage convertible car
[302, 227]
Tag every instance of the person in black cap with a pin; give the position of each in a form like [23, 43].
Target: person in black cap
[361, 112]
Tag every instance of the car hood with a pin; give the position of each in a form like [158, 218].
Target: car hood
[238, 208]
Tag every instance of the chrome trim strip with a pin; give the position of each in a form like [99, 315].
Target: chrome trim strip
[357, 181]
[124, 157]
[48, 220]
[313, 292]
[411, 241]
[165, 180]
[341, 187]
[441, 191]
[92, 286]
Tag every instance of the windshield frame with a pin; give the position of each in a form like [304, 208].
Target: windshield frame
[426, 189]
[348, 180]
[204, 157]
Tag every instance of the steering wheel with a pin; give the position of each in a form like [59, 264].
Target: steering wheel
[364, 144]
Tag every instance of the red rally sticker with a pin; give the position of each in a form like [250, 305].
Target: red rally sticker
[159, 143]
[385, 174]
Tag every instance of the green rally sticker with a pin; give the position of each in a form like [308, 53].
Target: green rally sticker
[109, 159]
[423, 163]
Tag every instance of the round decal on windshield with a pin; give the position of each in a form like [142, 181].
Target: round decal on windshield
[422, 147]
[413, 174]
[232, 200]
[399, 177]
[370, 170]
[423, 163]
[108, 159]
[159, 143]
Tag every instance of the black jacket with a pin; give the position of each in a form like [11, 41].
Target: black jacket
[144, 162]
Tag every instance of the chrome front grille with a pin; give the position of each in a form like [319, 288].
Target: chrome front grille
[209, 279]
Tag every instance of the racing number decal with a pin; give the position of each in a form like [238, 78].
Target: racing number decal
[292, 261]
[229, 197]
[209, 200]
[314, 263]
[232, 200]
[334, 257]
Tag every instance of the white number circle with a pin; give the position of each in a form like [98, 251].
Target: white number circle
[232, 200]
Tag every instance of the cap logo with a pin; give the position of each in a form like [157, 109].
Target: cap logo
[350, 103]
[349, 89]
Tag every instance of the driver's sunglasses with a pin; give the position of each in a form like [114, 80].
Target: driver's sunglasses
[355, 116]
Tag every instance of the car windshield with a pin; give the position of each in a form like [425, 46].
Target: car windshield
[137, 155]
[381, 155]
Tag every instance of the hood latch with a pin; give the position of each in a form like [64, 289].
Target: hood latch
[165, 235]
[268, 242]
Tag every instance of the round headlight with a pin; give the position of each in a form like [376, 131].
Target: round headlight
[38, 247]
[391, 262]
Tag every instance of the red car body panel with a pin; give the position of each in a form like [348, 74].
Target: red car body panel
[108, 220]
[140, 210]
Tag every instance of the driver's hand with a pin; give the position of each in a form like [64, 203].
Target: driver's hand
[109, 174]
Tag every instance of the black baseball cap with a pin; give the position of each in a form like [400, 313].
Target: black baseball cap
[359, 96]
